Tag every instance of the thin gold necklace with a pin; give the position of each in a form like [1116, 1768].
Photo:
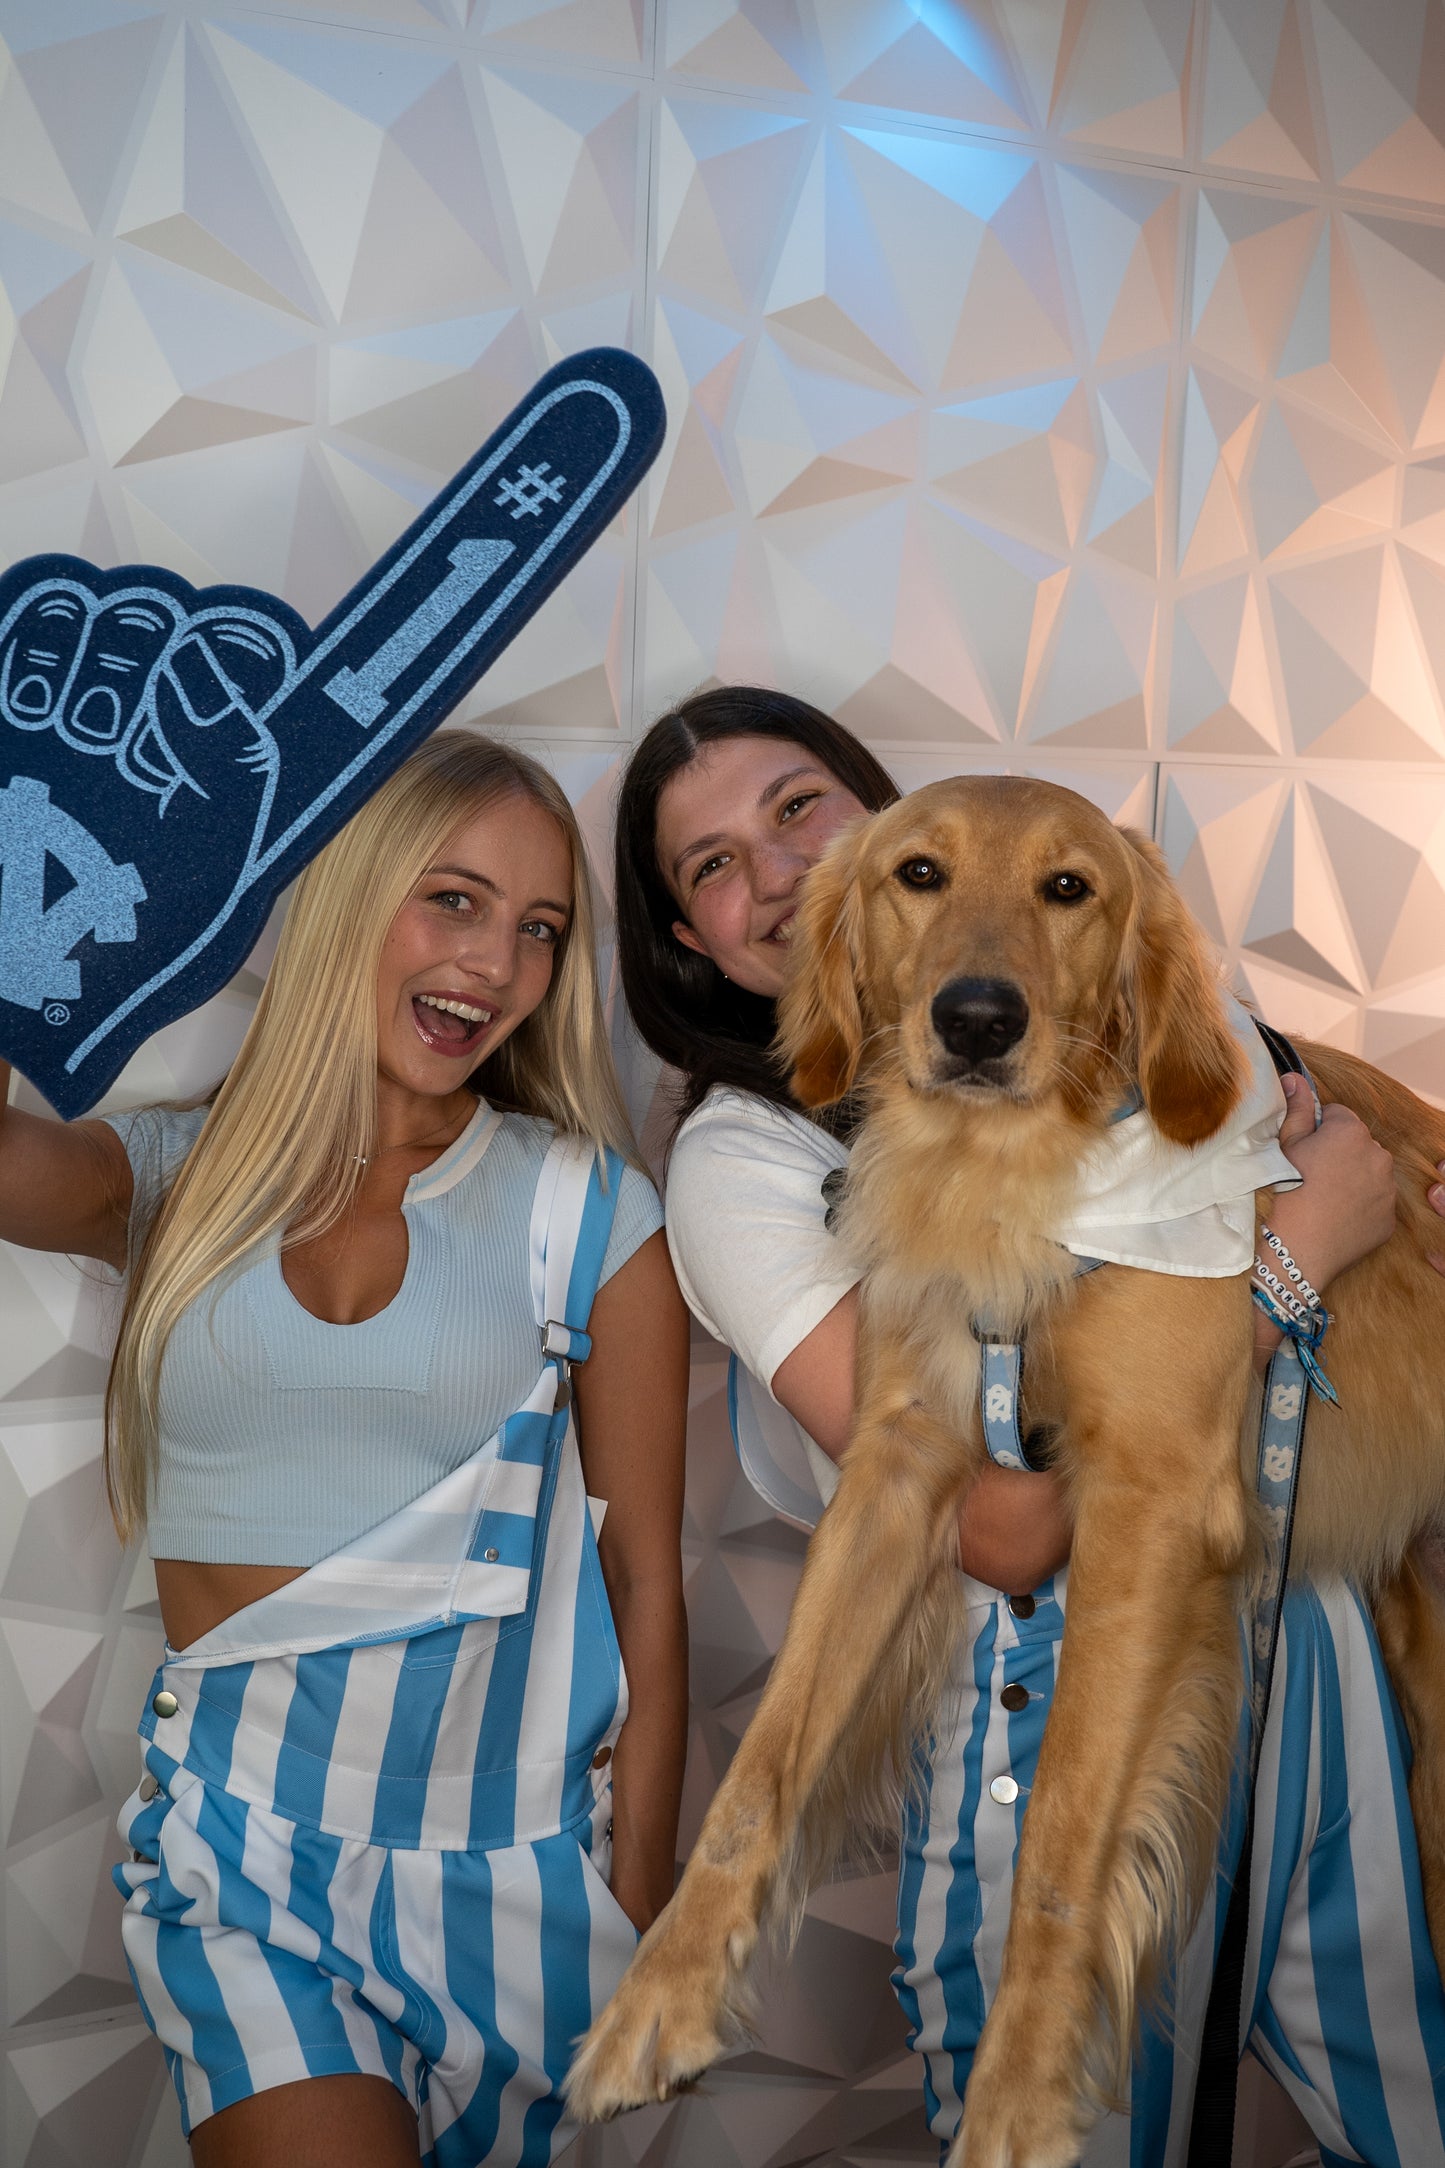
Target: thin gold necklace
[411, 1144]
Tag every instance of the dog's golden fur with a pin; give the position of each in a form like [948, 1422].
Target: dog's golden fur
[961, 1171]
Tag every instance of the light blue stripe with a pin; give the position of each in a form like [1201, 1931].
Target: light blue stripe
[503, 1539]
[213, 1721]
[468, 1938]
[416, 1714]
[311, 1720]
[185, 1968]
[592, 1238]
[566, 1988]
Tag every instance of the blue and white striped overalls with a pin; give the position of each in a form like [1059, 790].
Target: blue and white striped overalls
[373, 1834]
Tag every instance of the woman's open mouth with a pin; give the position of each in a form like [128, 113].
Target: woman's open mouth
[782, 934]
[449, 1026]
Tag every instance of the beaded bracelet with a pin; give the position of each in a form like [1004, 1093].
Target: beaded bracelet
[1283, 1296]
[1292, 1270]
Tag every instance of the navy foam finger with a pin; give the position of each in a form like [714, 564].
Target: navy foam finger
[40, 640]
[234, 741]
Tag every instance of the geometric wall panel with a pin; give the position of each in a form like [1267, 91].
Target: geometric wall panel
[1309, 532]
[1310, 544]
[612, 33]
[1328, 896]
[1337, 90]
[1107, 73]
[933, 503]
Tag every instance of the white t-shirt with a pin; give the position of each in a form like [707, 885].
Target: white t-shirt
[759, 1269]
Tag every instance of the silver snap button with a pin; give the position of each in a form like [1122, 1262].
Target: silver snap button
[1005, 1790]
[149, 1786]
[491, 1554]
[165, 1703]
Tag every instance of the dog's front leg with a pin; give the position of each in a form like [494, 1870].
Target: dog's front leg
[886, 1534]
[1123, 1820]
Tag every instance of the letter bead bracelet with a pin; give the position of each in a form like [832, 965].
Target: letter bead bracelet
[1294, 1309]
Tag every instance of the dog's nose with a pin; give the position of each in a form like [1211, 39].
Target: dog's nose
[979, 1019]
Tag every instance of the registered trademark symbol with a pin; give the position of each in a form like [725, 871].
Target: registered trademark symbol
[56, 1013]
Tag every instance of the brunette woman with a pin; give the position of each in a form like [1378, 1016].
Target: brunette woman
[727, 803]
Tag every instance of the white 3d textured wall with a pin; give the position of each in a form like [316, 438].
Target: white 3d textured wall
[1053, 384]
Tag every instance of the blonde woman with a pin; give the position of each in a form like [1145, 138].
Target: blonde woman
[398, 1824]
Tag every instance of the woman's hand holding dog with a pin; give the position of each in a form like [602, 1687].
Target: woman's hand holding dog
[1345, 1205]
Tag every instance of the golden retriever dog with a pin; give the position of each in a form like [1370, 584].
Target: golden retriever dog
[989, 964]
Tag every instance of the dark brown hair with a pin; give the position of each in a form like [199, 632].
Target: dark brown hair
[688, 1013]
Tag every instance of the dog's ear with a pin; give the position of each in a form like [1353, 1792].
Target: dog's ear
[820, 1021]
[1190, 1066]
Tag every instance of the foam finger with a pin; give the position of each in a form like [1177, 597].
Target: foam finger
[39, 647]
[108, 690]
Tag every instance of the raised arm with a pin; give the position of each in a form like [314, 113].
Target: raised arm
[63, 1185]
[1013, 1531]
[632, 1405]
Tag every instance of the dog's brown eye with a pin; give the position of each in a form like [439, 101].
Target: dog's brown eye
[1066, 888]
[919, 873]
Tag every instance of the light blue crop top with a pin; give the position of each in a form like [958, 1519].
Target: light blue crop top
[283, 1437]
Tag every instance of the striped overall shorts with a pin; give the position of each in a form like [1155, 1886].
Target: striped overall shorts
[373, 1832]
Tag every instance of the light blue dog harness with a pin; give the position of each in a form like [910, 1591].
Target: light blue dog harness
[373, 1833]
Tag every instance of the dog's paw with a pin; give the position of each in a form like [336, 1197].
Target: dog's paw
[1019, 2117]
[673, 2016]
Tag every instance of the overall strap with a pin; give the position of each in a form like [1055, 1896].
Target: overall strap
[572, 1215]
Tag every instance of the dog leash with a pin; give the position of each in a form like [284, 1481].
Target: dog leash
[1294, 1372]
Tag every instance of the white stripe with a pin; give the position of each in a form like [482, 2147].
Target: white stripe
[611, 1939]
[542, 1740]
[446, 1816]
[994, 1841]
[558, 1234]
[349, 1801]
[547, 1184]
[517, 1484]
[264, 1707]
[517, 1927]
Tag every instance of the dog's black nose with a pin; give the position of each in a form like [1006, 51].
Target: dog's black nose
[979, 1019]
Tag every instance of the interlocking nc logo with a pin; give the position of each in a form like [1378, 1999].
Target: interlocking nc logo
[170, 759]
[37, 969]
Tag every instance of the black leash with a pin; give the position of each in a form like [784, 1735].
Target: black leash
[1216, 2088]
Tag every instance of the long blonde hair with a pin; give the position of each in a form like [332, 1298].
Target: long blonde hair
[280, 1147]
